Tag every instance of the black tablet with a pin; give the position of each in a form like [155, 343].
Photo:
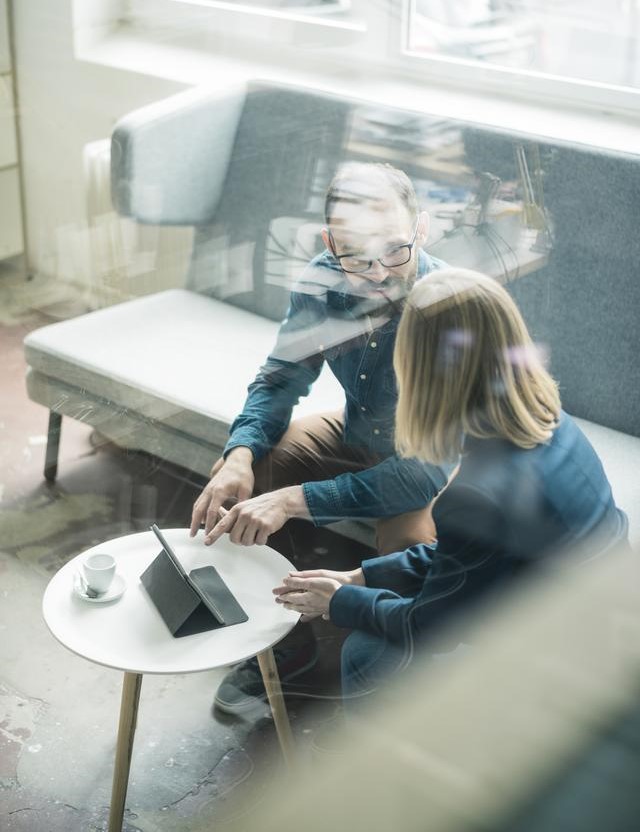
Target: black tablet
[211, 606]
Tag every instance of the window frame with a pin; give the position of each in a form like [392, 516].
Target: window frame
[524, 84]
[374, 35]
[230, 16]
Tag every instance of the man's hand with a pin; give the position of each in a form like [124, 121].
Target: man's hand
[252, 521]
[310, 592]
[231, 479]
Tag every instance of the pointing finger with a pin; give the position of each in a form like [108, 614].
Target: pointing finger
[213, 515]
[221, 527]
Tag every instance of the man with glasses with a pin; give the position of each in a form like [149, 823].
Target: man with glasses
[344, 310]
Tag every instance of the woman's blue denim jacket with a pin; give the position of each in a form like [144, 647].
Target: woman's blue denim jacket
[325, 322]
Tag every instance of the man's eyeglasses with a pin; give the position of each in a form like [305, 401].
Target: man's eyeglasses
[396, 256]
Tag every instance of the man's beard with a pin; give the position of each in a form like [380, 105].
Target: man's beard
[379, 298]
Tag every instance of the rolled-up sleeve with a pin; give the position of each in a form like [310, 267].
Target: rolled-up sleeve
[393, 486]
[280, 382]
[409, 594]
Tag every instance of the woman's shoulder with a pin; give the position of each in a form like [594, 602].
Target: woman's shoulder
[491, 464]
[569, 440]
[500, 449]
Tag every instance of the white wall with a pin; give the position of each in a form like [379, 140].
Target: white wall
[64, 104]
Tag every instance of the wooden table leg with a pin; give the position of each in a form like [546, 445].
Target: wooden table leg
[126, 732]
[271, 679]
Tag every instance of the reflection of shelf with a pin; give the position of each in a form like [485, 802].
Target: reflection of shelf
[505, 246]
[446, 163]
[508, 253]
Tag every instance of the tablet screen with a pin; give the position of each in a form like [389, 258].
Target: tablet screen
[169, 551]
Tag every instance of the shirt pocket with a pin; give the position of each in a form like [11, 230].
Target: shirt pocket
[389, 382]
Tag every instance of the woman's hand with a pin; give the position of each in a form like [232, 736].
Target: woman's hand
[310, 592]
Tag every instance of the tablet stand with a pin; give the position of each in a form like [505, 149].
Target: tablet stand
[181, 609]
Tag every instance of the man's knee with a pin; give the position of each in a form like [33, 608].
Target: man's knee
[394, 534]
[278, 469]
[302, 454]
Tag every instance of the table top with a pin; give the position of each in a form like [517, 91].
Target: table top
[129, 634]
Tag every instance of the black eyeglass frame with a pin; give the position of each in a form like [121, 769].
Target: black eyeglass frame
[409, 246]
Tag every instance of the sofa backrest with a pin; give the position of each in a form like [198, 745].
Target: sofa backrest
[287, 146]
[555, 223]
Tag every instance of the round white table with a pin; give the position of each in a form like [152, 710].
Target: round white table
[129, 634]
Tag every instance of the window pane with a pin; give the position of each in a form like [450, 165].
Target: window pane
[309, 6]
[591, 40]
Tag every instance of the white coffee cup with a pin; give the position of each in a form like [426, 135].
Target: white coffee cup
[99, 570]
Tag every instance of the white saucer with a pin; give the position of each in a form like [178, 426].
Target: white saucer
[117, 588]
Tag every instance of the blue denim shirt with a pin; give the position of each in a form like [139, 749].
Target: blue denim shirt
[508, 509]
[326, 322]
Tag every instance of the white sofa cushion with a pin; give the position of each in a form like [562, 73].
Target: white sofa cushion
[178, 357]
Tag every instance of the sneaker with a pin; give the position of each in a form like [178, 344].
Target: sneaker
[242, 688]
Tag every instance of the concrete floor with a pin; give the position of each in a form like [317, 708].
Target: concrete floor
[58, 712]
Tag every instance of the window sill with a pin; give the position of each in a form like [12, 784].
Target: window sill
[194, 64]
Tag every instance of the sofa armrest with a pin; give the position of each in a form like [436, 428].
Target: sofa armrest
[169, 159]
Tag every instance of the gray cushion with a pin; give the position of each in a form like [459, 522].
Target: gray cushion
[584, 306]
[169, 160]
[286, 148]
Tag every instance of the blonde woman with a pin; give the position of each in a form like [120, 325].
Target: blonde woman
[471, 384]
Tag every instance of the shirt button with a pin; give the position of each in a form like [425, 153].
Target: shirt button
[320, 347]
[362, 408]
[376, 431]
[363, 376]
[373, 345]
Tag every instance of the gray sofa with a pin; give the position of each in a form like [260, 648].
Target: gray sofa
[248, 169]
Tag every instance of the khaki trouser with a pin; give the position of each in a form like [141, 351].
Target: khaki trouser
[313, 449]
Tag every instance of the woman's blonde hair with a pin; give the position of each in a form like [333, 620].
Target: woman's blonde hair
[466, 365]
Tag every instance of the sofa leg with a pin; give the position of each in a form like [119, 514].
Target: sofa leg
[53, 445]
